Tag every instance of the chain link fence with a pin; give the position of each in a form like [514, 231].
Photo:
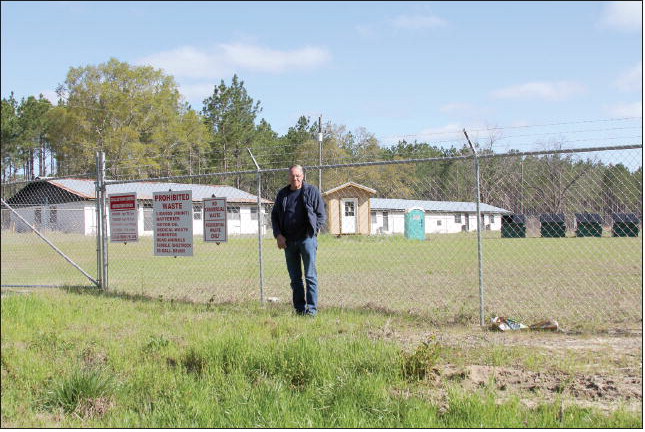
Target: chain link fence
[48, 234]
[559, 237]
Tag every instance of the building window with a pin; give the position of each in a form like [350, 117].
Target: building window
[458, 218]
[38, 215]
[439, 223]
[386, 221]
[233, 213]
[53, 215]
[254, 213]
[197, 212]
[349, 208]
[491, 219]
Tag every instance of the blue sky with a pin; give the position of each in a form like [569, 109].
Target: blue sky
[410, 70]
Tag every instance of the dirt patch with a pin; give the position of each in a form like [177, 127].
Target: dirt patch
[602, 371]
[599, 391]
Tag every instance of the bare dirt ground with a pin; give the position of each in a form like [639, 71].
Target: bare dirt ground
[602, 371]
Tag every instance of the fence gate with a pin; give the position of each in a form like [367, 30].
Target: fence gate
[48, 235]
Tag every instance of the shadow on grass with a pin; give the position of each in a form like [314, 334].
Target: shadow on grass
[97, 292]
[274, 309]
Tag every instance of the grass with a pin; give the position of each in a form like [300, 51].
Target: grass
[528, 279]
[82, 389]
[80, 358]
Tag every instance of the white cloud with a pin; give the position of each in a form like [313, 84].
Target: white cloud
[196, 92]
[189, 62]
[623, 15]
[270, 60]
[551, 91]
[417, 22]
[631, 80]
[224, 59]
[626, 110]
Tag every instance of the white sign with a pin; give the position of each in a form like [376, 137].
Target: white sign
[173, 223]
[215, 220]
[124, 225]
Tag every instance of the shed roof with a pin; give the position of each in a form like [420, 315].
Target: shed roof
[433, 206]
[85, 188]
[348, 184]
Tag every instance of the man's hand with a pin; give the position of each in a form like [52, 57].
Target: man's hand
[282, 241]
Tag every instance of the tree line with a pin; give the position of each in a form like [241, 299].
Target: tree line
[136, 115]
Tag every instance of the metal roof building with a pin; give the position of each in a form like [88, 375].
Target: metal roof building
[434, 206]
[71, 189]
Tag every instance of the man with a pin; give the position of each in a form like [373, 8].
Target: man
[297, 217]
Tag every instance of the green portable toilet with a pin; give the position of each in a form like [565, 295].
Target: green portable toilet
[415, 224]
[513, 226]
[625, 225]
[552, 225]
[588, 225]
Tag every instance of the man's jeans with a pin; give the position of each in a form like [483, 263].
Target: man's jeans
[305, 251]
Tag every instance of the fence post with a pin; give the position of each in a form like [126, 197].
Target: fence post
[101, 223]
[260, 224]
[99, 255]
[480, 252]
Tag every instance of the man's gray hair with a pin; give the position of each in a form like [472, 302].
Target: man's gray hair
[297, 166]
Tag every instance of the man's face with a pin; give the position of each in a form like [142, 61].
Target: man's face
[295, 178]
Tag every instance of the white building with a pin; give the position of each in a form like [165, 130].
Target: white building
[441, 217]
[69, 205]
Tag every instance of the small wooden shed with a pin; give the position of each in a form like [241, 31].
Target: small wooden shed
[348, 209]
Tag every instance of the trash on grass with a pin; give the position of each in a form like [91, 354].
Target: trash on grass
[504, 324]
[549, 325]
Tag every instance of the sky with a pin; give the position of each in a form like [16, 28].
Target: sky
[535, 71]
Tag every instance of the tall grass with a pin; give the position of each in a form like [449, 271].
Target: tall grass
[84, 359]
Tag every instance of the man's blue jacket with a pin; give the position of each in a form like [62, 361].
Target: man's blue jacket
[314, 205]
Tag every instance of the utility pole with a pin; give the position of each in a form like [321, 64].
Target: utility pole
[320, 152]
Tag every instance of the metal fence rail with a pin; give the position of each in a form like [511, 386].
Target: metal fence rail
[547, 245]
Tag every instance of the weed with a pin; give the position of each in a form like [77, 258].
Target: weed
[80, 389]
[417, 365]
[155, 343]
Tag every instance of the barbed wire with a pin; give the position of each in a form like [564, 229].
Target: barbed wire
[270, 156]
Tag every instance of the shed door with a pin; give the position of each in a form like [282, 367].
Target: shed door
[349, 213]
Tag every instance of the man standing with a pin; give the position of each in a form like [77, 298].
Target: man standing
[297, 217]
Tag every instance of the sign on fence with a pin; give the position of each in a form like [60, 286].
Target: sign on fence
[215, 228]
[124, 225]
[173, 223]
